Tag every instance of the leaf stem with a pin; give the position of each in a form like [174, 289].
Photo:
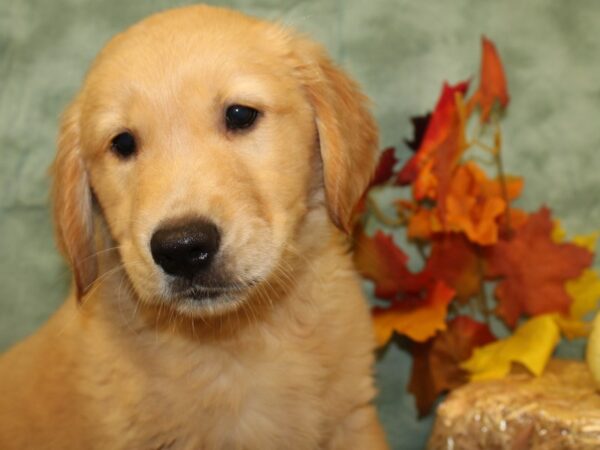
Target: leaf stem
[481, 161]
[502, 177]
[481, 294]
[477, 143]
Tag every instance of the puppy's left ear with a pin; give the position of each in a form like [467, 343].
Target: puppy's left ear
[348, 136]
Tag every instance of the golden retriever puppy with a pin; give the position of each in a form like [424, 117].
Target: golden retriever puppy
[204, 175]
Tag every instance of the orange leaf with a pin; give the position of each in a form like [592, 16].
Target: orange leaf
[417, 317]
[474, 203]
[492, 83]
[474, 206]
[437, 363]
[422, 224]
[533, 269]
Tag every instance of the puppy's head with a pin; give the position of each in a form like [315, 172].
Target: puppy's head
[203, 138]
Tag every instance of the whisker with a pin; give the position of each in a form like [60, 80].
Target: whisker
[95, 285]
[101, 252]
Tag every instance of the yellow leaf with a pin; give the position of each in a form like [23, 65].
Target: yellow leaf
[558, 232]
[572, 328]
[585, 292]
[592, 354]
[587, 240]
[532, 345]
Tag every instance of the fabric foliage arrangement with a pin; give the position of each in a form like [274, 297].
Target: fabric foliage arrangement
[480, 258]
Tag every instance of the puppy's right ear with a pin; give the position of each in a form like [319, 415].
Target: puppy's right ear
[72, 203]
[346, 129]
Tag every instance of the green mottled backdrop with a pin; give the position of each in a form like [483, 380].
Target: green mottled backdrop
[399, 50]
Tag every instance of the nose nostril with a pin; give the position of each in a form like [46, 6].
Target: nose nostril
[185, 249]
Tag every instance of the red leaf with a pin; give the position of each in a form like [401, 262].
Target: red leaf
[443, 120]
[381, 261]
[436, 363]
[492, 83]
[385, 167]
[420, 124]
[454, 260]
[534, 269]
[383, 172]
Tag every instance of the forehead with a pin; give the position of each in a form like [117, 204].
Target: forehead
[205, 48]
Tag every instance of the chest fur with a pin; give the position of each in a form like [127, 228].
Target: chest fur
[271, 395]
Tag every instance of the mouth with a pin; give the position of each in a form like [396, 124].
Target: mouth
[220, 293]
[198, 300]
[207, 293]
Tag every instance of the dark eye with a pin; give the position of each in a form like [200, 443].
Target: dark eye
[238, 117]
[123, 145]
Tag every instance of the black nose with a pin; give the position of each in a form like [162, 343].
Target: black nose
[186, 248]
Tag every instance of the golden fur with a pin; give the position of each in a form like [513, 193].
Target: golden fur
[285, 363]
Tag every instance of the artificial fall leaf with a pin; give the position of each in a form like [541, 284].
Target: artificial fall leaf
[572, 328]
[436, 363]
[421, 384]
[531, 345]
[383, 172]
[422, 224]
[385, 167]
[454, 260]
[443, 141]
[474, 206]
[455, 345]
[381, 261]
[475, 203]
[588, 241]
[512, 221]
[420, 124]
[492, 84]
[404, 207]
[435, 176]
[585, 292]
[478, 219]
[592, 353]
[415, 316]
[533, 269]
[558, 232]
